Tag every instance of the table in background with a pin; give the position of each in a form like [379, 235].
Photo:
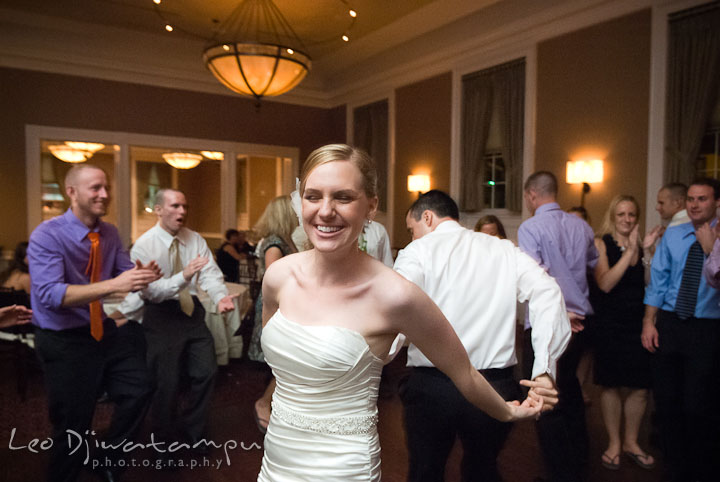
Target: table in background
[224, 326]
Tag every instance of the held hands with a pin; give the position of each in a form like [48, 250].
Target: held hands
[14, 315]
[227, 304]
[706, 236]
[530, 407]
[576, 320]
[194, 266]
[543, 385]
[139, 277]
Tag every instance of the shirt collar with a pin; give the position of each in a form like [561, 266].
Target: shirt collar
[446, 226]
[690, 227]
[547, 207]
[679, 215]
[167, 238]
[78, 229]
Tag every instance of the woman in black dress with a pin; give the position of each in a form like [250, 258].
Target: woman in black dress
[622, 366]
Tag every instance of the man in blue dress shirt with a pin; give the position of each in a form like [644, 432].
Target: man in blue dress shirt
[79, 364]
[681, 327]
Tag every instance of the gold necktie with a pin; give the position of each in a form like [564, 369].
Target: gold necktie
[93, 269]
[186, 301]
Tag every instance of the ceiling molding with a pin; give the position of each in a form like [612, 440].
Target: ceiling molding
[64, 46]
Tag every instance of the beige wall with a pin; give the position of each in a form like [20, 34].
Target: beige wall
[592, 100]
[422, 142]
[28, 97]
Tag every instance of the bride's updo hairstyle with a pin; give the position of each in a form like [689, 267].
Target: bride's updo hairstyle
[342, 152]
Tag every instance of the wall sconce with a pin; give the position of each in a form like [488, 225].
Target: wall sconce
[419, 183]
[584, 172]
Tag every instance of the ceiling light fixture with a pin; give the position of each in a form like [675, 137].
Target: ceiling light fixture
[256, 52]
[91, 147]
[69, 154]
[214, 155]
[182, 160]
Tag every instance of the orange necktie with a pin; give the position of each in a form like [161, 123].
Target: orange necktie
[93, 269]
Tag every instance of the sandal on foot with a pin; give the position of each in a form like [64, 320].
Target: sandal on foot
[643, 460]
[610, 463]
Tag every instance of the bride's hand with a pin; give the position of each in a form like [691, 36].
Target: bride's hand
[530, 407]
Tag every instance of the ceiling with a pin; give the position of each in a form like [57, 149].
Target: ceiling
[392, 42]
[380, 26]
[320, 27]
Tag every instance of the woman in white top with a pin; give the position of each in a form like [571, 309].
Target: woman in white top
[330, 317]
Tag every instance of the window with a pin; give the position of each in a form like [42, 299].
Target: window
[709, 158]
[492, 126]
[370, 133]
[494, 188]
[693, 89]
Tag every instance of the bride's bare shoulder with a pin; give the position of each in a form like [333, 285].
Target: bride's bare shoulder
[282, 269]
[393, 291]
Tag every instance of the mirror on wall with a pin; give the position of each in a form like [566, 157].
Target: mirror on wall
[226, 186]
[201, 184]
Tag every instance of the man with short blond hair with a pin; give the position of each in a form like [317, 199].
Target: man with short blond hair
[75, 260]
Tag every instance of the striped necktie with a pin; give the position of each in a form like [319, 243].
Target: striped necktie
[94, 268]
[687, 294]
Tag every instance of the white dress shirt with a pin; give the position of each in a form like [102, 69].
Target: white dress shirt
[378, 243]
[476, 280]
[155, 243]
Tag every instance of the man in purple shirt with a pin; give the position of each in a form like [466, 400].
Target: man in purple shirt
[77, 366]
[563, 244]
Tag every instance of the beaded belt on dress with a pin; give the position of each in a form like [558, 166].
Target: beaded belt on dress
[353, 425]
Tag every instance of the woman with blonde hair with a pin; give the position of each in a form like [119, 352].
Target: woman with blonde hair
[622, 366]
[331, 318]
[274, 229]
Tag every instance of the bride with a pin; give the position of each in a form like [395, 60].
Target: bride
[330, 317]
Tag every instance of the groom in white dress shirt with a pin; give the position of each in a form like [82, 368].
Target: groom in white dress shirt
[476, 280]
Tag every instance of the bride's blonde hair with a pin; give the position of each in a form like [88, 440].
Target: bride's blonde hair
[342, 152]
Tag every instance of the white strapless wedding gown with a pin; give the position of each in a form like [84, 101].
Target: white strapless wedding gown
[324, 412]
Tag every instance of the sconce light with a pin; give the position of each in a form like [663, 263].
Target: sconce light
[584, 172]
[419, 183]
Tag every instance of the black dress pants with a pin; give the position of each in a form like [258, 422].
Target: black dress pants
[562, 432]
[685, 387]
[179, 344]
[77, 369]
[436, 412]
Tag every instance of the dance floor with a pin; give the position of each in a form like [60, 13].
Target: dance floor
[239, 454]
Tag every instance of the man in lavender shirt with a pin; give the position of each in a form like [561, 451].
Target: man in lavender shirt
[78, 367]
[563, 244]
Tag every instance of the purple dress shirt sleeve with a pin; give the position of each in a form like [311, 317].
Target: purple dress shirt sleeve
[711, 269]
